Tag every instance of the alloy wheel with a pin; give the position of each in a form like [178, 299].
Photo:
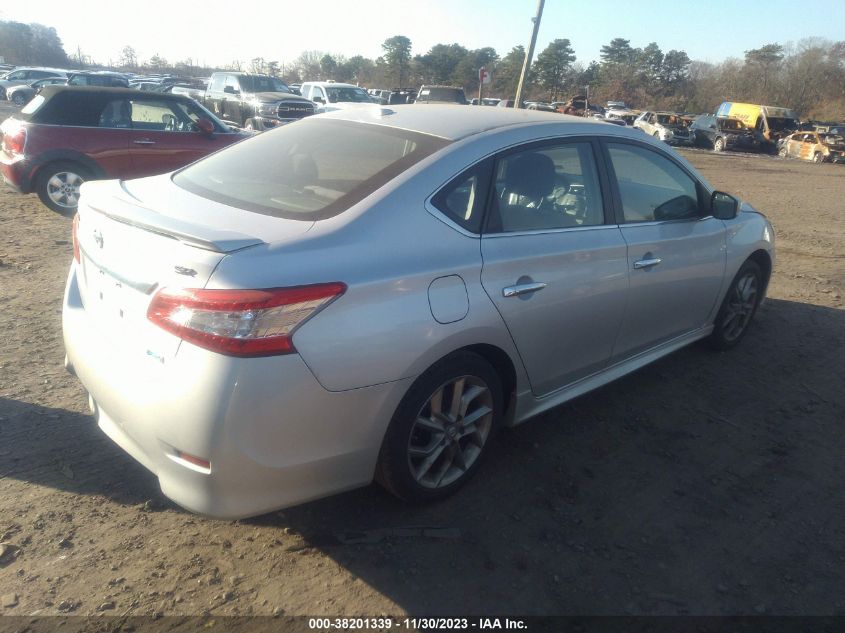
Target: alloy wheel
[450, 431]
[63, 189]
[740, 306]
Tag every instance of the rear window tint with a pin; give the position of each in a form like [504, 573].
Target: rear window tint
[73, 108]
[309, 170]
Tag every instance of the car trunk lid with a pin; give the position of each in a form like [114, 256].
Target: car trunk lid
[131, 246]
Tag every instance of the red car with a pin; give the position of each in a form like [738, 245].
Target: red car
[67, 135]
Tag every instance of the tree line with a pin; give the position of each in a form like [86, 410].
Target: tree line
[808, 77]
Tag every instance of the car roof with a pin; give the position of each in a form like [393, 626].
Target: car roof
[330, 83]
[454, 122]
[49, 91]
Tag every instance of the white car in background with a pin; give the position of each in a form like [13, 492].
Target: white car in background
[666, 126]
[621, 114]
[330, 95]
[25, 76]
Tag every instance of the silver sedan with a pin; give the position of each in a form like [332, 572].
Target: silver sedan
[373, 292]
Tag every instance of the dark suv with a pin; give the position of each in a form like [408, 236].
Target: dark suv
[98, 78]
[67, 135]
[721, 133]
[441, 94]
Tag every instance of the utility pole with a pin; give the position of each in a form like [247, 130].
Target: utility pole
[529, 54]
[587, 100]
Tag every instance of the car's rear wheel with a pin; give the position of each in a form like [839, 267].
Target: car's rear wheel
[18, 99]
[738, 308]
[818, 157]
[441, 429]
[719, 144]
[57, 185]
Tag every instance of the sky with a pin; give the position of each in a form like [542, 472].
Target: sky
[214, 33]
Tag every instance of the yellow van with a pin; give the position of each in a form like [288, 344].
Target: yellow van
[770, 123]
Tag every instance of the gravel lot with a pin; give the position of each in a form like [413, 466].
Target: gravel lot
[704, 484]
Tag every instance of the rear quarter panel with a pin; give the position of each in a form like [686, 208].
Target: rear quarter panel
[109, 148]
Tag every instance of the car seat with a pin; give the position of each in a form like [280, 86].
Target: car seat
[117, 114]
[523, 203]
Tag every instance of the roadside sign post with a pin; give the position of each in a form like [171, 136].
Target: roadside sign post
[484, 77]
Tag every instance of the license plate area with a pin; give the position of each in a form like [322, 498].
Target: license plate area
[109, 299]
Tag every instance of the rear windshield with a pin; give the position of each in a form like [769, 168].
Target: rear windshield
[260, 83]
[309, 170]
[345, 94]
[442, 94]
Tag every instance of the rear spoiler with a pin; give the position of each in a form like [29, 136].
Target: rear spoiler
[201, 236]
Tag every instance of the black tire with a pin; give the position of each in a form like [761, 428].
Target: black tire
[738, 307]
[18, 99]
[719, 144]
[818, 158]
[57, 185]
[2, 93]
[782, 152]
[412, 440]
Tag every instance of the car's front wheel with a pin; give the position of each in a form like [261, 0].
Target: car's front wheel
[782, 152]
[738, 308]
[57, 185]
[719, 144]
[441, 429]
[18, 99]
[818, 158]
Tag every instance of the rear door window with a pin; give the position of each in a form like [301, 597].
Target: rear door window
[549, 187]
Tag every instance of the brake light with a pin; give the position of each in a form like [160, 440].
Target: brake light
[14, 140]
[74, 230]
[240, 322]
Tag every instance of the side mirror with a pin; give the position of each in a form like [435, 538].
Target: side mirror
[723, 206]
[318, 100]
[205, 126]
[230, 90]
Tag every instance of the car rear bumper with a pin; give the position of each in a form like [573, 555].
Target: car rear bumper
[15, 173]
[273, 435]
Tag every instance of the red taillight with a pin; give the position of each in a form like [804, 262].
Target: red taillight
[240, 322]
[74, 230]
[193, 459]
[14, 140]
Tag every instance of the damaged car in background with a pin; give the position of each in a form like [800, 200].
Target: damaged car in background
[815, 146]
[721, 133]
[666, 126]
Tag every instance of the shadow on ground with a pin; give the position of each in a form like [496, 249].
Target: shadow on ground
[706, 483]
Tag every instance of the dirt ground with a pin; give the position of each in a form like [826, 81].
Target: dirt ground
[706, 483]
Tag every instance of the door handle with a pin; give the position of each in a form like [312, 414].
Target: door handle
[144, 142]
[522, 289]
[647, 263]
